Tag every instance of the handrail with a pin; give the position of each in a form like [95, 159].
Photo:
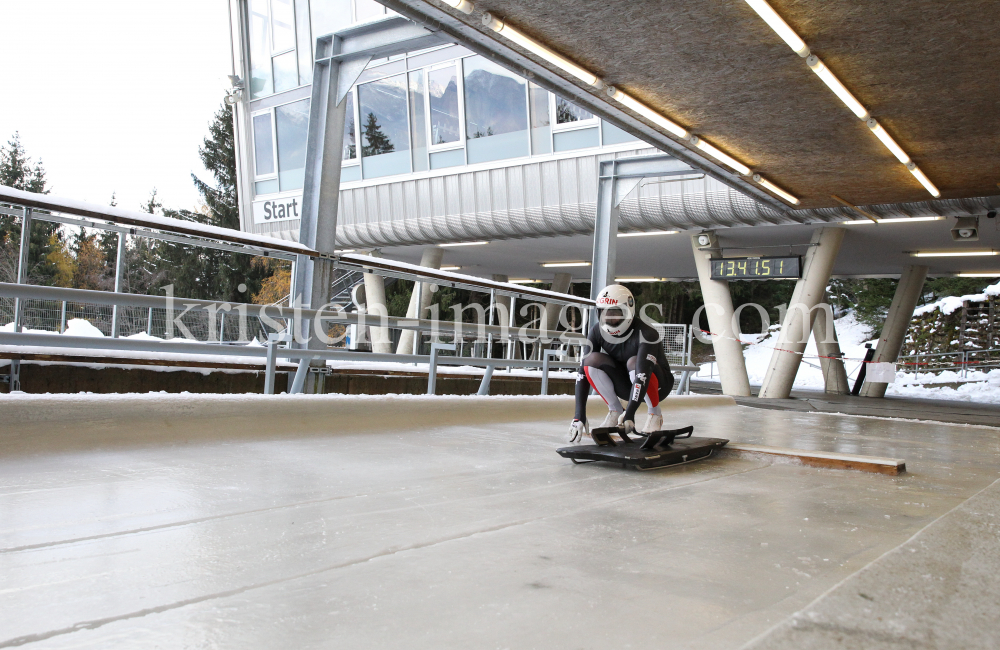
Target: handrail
[34, 292]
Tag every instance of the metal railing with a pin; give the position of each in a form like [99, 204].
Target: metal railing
[932, 365]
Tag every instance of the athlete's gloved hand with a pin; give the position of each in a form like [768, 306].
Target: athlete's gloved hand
[628, 424]
[578, 429]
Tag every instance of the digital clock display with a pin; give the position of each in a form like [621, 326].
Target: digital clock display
[756, 268]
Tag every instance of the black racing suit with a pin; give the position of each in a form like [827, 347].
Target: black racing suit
[640, 348]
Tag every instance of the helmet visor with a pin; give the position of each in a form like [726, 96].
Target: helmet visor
[613, 316]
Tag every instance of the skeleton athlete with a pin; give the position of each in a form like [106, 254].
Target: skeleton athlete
[626, 361]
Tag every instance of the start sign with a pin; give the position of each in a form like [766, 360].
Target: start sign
[278, 209]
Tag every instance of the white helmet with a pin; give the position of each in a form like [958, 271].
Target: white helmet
[615, 309]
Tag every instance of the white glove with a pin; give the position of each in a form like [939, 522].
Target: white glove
[628, 424]
[577, 430]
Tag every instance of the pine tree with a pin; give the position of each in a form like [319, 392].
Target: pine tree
[378, 142]
[16, 171]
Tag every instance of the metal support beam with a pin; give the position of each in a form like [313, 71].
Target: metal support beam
[719, 309]
[809, 293]
[340, 60]
[484, 385]
[890, 341]
[616, 179]
[300, 376]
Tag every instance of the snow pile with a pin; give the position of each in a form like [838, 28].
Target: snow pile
[949, 304]
[81, 327]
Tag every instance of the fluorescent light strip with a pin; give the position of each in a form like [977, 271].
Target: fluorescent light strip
[553, 265]
[620, 280]
[954, 254]
[533, 46]
[787, 34]
[994, 274]
[837, 87]
[463, 243]
[780, 27]
[926, 182]
[464, 6]
[648, 234]
[895, 220]
[887, 140]
[718, 155]
[345, 250]
[523, 281]
[647, 112]
[763, 182]
[450, 268]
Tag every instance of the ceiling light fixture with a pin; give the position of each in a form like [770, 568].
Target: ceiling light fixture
[648, 234]
[718, 155]
[463, 243]
[533, 46]
[763, 182]
[836, 86]
[994, 274]
[648, 113]
[464, 6]
[780, 27]
[525, 281]
[620, 280]
[787, 34]
[926, 182]
[345, 250]
[450, 268]
[553, 265]
[953, 253]
[894, 220]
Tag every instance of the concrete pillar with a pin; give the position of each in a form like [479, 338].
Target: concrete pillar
[375, 309]
[828, 348]
[431, 259]
[810, 291]
[890, 341]
[719, 309]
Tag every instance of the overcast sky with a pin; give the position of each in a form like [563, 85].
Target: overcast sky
[114, 95]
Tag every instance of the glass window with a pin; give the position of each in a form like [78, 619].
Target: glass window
[260, 50]
[292, 125]
[541, 131]
[381, 70]
[567, 112]
[451, 158]
[350, 143]
[263, 145]
[418, 121]
[496, 120]
[442, 86]
[367, 9]
[286, 76]
[282, 25]
[329, 16]
[385, 141]
[265, 187]
[304, 42]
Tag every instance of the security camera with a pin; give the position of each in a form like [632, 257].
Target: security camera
[705, 239]
[966, 229]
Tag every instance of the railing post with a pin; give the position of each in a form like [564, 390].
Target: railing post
[432, 370]
[300, 376]
[62, 318]
[119, 266]
[489, 337]
[511, 339]
[22, 266]
[270, 366]
[149, 322]
[484, 386]
[546, 358]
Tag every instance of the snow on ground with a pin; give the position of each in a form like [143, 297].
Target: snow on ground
[978, 386]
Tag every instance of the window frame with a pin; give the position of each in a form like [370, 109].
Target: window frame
[593, 120]
[274, 145]
[356, 109]
[460, 89]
